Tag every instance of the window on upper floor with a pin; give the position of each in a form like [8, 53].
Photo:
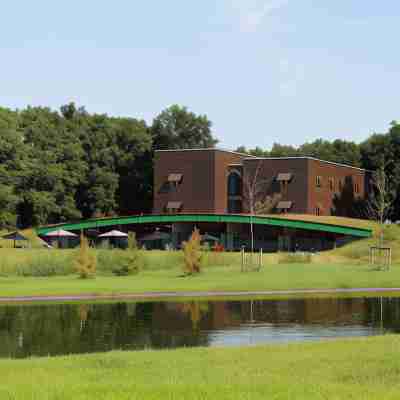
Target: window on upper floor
[318, 181]
[234, 184]
[171, 184]
[174, 207]
[356, 188]
[234, 206]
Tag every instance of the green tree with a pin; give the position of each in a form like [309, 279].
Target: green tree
[8, 203]
[178, 128]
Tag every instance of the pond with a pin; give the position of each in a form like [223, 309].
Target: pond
[57, 329]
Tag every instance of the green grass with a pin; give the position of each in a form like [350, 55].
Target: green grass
[273, 277]
[50, 272]
[366, 368]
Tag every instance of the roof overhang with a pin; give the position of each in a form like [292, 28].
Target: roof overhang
[214, 218]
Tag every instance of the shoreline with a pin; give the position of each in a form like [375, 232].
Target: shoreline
[193, 294]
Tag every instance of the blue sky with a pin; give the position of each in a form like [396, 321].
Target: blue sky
[263, 71]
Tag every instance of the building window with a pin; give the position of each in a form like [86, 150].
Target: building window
[317, 210]
[171, 184]
[318, 181]
[234, 206]
[332, 184]
[284, 206]
[340, 185]
[356, 188]
[174, 207]
[234, 184]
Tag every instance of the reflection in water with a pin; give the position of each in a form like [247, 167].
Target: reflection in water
[55, 329]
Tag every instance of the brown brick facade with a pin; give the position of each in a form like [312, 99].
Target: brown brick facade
[307, 185]
[204, 175]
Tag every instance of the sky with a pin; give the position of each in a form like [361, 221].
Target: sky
[263, 71]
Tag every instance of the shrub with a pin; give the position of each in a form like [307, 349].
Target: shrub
[85, 263]
[192, 254]
[129, 263]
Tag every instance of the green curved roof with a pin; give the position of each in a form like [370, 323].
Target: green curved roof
[216, 218]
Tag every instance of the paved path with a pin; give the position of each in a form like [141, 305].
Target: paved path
[205, 294]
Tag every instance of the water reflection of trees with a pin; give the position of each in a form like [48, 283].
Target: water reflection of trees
[81, 328]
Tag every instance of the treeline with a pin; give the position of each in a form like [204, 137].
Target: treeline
[59, 166]
[69, 164]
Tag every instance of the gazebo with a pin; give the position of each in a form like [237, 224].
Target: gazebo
[115, 238]
[64, 239]
[15, 237]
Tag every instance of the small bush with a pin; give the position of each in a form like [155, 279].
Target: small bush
[192, 254]
[295, 258]
[129, 263]
[86, 261]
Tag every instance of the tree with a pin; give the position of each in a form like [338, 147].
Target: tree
[268, 204]
[255, 194]
[8, 203]
[192, 254]
[178, 128]
[86, 262]
[379, 203]
[279, 150]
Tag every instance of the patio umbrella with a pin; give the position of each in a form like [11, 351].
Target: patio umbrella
[15, 236]
[113, 234]
[60, 233]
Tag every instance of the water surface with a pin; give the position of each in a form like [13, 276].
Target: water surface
[56, 329]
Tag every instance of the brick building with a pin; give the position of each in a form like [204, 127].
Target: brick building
[218, 181]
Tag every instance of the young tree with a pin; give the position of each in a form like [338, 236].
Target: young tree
[254, 195]
[380, 201]
[192, 254]
[86, 262]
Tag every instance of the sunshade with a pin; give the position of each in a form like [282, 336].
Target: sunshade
[113, 234]
[60, 233]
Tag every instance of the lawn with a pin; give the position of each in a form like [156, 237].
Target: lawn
[366, 368]
[223, 278]
[39, 272]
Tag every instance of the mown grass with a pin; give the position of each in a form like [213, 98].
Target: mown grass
[366, 368]
[273, 277]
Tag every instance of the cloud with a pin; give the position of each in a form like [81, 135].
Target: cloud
[253, 13]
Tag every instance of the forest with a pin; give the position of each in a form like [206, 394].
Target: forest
[67, 164]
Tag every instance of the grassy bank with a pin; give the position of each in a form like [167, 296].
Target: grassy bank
[347, 369]
[273, 277]
[35, 271]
